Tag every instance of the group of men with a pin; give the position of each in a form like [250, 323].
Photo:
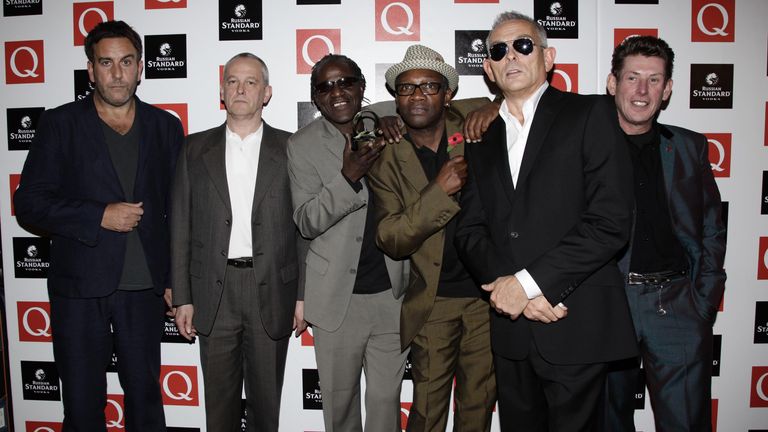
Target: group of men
[534, 249]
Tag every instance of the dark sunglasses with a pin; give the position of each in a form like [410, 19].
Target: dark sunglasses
[499, 50]
[427, 88]
[342, 83]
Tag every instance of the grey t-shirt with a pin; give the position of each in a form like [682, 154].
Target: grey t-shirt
[124, 151]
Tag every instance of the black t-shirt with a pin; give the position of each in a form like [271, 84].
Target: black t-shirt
[455, 281]
[372, 276]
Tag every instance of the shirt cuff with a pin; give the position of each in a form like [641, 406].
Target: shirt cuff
[356, 186]
[530, 286]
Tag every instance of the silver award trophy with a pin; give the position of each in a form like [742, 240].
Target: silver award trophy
[364, 135]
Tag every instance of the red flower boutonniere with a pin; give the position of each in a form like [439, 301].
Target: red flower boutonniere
[455, 140]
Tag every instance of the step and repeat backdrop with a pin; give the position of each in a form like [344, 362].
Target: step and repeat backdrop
[720, 89]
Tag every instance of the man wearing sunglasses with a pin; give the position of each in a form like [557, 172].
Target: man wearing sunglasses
[444, 318]
[353, 291]
[546, 208]
[674, 264]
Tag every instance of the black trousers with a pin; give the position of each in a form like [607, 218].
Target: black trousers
[85, 332]
[538, 396]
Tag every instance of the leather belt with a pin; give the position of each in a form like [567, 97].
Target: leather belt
[240, 262]
[654, 278]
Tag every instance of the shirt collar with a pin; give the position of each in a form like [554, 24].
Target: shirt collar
[529, 106]
[256, 135]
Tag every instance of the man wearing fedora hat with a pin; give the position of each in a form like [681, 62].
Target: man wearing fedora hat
[444, 317]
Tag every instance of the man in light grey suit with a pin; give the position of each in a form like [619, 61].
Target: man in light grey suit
[235, 257]
[353, 292]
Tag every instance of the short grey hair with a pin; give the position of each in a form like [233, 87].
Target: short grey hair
[247, 55]
[517, 16]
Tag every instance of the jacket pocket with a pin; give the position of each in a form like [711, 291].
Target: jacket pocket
[289, 273]
[316, 262]
[195, 268]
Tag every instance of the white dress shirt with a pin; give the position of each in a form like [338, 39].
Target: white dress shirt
[517, 136]
[242, 160]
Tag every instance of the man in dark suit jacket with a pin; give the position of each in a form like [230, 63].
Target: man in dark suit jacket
[546, 208]
[674, 263]
[234, 252]
[98, 179]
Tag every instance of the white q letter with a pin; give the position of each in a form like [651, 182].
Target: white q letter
[759, 387]
[717, 30]
[305, 48]
[81, 21]
[41, 331]
[116, 423]
[400, 30]
[566, 78]
[721, 153]
[178, 396]
[27, 72]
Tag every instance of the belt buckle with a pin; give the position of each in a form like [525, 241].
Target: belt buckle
[635, 279]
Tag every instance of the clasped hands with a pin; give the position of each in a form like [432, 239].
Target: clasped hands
[509, 298]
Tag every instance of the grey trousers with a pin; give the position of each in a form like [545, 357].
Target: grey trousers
[368, 340]
[239, 348]
[676, 347]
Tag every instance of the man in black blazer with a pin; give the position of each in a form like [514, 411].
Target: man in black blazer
[674, 262]
[234, 252]
[98, 179]
[545, 210]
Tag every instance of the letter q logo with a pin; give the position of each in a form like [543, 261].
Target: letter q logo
[405, 411]
[565, 77]
[113, 412]
[308, 337]
[712, 21]
[397, 20]
[622, 34]
[762, 260]
[34, 321]
[759, 394]
[312, 45]
[179, 385]
[165, 4]
[24, 62]
[720, 153]
[37, 426]
[14, 180]
[178, 110]
[86, 16]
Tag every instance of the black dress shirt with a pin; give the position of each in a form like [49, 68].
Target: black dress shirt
[655, 246]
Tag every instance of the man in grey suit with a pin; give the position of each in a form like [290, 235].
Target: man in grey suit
[353, 291]
[235, 253]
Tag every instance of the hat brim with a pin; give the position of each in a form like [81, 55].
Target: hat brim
[442, 68]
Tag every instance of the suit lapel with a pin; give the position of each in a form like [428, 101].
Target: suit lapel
[102, 160]
[668, 150]
[331, 138]
[410, 167]
[543, 118]
[453, 126]
[496, 137]
[145, 145]
[216, 165]
[268, 168]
